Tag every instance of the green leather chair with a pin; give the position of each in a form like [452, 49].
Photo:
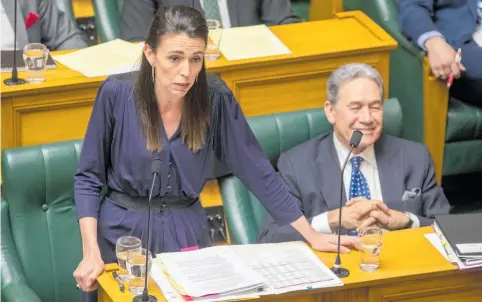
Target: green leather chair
[107, 18]
[277, 133]
[41, 243]
[451, 129]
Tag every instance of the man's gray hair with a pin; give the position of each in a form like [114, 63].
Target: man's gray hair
[348, 73]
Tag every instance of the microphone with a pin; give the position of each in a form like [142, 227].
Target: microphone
[14, 80]
[339, 271]
[145, 297]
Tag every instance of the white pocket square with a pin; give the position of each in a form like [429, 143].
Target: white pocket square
[411, 194]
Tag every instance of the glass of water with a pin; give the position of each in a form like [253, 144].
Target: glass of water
[122, 247]
[136, 265]
[214, 39]
[35, 57]
[370, 241]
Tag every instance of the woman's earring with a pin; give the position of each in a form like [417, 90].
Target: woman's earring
[196, 79]
[153, 74]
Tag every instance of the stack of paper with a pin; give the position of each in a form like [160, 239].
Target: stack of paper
[249, 42]
[240, 272]
[113, 57]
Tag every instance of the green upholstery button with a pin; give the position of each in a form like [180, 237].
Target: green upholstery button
[45, 207]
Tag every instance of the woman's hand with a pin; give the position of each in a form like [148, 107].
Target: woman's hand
[329, 242]
[88, 270]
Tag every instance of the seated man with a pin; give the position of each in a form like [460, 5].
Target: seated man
[388, 181]
[137, 14]
[441, 27]
[38, 21]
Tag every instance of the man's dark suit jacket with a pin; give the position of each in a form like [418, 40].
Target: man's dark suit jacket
[137, 15]
[456, 20]
[311, 172]
[54, 29]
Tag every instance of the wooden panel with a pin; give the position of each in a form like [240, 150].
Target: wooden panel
[83, 8]
[460, 287]
[350, 295]
[289, 87]
[324, 9]
[64, 121]
[282, 94]
[435, 106]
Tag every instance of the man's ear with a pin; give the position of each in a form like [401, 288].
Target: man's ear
[329, 112]
[149, 53]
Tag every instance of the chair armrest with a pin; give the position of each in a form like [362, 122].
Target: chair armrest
[386, 15]
[238, 211]
[13, 282]
[403, 42]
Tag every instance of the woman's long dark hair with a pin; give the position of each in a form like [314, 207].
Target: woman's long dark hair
[197, 110]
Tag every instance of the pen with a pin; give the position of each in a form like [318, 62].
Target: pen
[117, 278]
[458, 58]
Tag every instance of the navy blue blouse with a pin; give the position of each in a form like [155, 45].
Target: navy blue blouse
[114, 154]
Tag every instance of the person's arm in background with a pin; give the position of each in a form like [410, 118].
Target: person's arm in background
[58, 30]
[276, 12]
[417, 25]
[136, 19]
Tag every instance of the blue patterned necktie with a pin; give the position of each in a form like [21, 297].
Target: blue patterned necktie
[358, 184]
[211, 9]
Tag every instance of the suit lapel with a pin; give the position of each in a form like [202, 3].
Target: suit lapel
[390, 170]
[233, 9]
[327, 167]
[9, 7]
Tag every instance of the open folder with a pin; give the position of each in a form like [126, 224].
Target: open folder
[113, 57]
[240, 271]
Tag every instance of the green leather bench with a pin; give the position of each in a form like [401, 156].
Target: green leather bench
[41, 243]
[277, 133]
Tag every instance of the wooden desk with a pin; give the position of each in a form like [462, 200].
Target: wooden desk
[59, 108]
[411, 270]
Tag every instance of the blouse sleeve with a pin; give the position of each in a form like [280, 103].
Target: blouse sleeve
[94, 157]
[241, 151]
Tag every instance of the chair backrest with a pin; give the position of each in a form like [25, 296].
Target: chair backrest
[38, 186]
[107, 18]
[278, 133]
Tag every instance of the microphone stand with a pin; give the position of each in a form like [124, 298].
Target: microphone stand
[145, 297]
[339, 271]
[14, 80]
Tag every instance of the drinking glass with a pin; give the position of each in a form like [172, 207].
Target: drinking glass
[35, 58]
[370, 241]
[136, 265]
[214, 39]
[122, 247]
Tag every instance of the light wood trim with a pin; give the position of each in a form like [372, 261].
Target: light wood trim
[324, 9]
[435, 106]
